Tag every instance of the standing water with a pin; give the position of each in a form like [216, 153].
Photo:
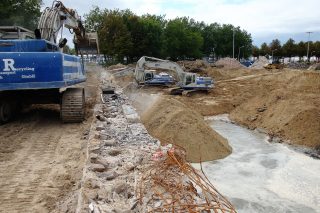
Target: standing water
[264, 177]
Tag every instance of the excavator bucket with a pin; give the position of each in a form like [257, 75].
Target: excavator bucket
[87, 45]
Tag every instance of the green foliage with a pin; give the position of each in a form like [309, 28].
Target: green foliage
[301, 49]
[23, 13]
[289, 48]
[181, 40]
[275, 47]
[264, 49]
[123, 33]
[255, 51]
[114, 36]
[93, 20]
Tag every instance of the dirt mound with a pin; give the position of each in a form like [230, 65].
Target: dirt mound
[193, 66]
[229, 63]
[173, 122]
[291, 110]
[258, 64]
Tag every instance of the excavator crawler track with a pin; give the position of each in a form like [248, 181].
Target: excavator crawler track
[73, 105]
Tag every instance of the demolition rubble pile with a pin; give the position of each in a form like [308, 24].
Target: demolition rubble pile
[260, 63]
[118, 147]
[299, 66]
[123, 173]
[170, 184]
[229, 63]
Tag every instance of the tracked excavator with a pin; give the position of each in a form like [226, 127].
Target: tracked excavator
[186, 83]
[35, 71]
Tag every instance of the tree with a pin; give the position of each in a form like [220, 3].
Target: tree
[114, 36]
[23, 13]
[94, 19]
[301, 50]
[255, 51]
[180, 41]
[289, 49]
[210, 38]
[316, 49]
[275, 47]
[264, 49]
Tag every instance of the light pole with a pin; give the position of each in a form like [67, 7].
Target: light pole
[272, 53]
[233, 44]
[239, 53]
[308, 45]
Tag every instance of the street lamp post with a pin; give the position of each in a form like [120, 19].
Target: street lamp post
[308, 45]
[239, 53]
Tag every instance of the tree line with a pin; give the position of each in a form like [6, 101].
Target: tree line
[289, 49]
[23, 13]
[123, 34]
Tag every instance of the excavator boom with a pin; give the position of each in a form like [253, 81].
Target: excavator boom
[52, 21]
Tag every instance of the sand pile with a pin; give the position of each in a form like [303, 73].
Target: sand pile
[229, 63]
[193, 66]
[172, 122]
[258, 64]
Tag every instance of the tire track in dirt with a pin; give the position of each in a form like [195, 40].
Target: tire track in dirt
[41, 159]
[41, 166]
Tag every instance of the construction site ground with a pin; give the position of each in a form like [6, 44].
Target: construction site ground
[41, 159]
[283, 103]
[47, 166]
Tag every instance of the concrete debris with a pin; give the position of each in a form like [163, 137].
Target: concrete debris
[97, 168]
[296, 65]
[120, 151]
[110, 142]
[111, 175]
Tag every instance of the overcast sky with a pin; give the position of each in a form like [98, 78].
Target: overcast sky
[264, 19]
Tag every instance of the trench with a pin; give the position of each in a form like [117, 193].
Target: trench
[263, 177]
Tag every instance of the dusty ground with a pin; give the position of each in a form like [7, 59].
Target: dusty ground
[41, 159]
[285, 103]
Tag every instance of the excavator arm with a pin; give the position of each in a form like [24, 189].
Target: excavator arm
[187, 82]
[157, 63]
[52, 21]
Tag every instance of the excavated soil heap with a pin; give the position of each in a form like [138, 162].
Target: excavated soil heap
[260, 63]
[173, 122]
[291, 111]
[229, 63]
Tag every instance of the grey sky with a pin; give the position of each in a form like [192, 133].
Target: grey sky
[264, 19]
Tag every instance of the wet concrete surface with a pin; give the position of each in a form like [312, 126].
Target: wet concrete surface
[263, 177]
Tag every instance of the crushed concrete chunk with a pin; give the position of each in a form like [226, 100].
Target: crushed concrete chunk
[97, 167]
